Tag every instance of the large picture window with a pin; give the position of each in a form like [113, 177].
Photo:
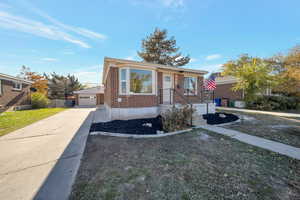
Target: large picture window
[136, 81]
[190, 85]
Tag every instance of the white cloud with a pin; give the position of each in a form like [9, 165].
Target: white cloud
[9, 21]
[49, 59]
[90, 74]
[213, 57]
[55, 30]
[172, 3]
[192, 60]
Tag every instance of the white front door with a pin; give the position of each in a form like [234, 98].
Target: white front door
[167, 85]
[87, 100]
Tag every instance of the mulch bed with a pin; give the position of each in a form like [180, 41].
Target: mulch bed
[134, 126]
[218, 118]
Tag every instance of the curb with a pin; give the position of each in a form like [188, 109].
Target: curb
[123, 135]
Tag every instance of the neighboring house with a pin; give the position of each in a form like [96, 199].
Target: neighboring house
[224, 89]
[14, 92]
[138, 89]
[90, 96]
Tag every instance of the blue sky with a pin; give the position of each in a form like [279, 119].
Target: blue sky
[73, 36]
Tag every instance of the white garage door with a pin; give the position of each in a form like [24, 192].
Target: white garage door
[87, 100]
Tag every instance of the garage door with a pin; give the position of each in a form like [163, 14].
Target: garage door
[87, 100]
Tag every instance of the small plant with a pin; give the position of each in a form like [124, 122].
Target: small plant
[177, 118]
[39, 100]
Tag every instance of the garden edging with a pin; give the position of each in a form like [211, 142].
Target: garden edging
[138, 136]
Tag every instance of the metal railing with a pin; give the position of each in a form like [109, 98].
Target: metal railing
[172, 95]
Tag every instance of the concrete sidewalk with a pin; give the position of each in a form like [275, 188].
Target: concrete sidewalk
[277, 147]
[40, 161]
[280, 114]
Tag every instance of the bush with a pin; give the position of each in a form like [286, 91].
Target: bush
[39, 100]
[274, 103]
[177, 118]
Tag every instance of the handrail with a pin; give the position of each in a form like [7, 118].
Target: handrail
[172, 92]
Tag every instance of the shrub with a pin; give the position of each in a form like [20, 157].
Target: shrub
[274, 103]
[39, 100]
[177, 118]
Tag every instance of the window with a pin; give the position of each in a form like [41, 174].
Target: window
[190, 85]
[123, 81]
[136, 81]
[17, 86]
[140, 81]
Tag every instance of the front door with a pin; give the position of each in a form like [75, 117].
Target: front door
[167, 85]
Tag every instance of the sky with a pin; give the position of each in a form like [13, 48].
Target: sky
[74, 36]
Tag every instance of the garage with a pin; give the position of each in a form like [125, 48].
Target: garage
[87, 100]
[90, 97]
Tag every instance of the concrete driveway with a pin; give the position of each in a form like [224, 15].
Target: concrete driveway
[40, 161]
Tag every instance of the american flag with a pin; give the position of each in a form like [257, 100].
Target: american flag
[210, 84]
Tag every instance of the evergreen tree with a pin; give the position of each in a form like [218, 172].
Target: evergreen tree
[156, 48]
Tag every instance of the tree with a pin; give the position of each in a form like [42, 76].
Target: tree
[40, 83]
[288, 72]
[254, 75]
[156, 48]
[62, 86]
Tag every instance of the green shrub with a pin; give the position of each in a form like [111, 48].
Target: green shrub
[274, 103]
[177, 118]
[39, 100]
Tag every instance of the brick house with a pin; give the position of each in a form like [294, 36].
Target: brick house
[14, 92]
[138, 89]
[224, 88]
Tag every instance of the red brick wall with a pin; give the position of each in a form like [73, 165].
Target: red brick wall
[179, 87]
[128, 101]
[111, 93]
[224, 91]
[11, 97]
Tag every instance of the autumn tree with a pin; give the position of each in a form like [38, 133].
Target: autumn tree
[40, 83]
[254, 75]
[288, 72]
[157, 48]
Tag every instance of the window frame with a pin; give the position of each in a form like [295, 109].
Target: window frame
[128, 81]
[17, 83]
[196, 83]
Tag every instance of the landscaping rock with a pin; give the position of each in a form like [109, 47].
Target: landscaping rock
[145, 126]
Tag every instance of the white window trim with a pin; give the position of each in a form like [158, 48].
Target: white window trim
[196, 90]
[17, 89]
[128, 82]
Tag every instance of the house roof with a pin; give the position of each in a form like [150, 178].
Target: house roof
[13, 78]
[92, 90]
[221, 80]
[108, 60]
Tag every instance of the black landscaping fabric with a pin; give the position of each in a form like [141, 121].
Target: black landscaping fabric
[217, 119]
[133, 126]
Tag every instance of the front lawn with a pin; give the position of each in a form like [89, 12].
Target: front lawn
[270, 127]
[195, 165]
[13, 120]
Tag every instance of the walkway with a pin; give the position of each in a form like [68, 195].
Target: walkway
[280, 114]
[280, 148]
[40, 161]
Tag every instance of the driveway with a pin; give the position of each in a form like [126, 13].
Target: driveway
[40, 161]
